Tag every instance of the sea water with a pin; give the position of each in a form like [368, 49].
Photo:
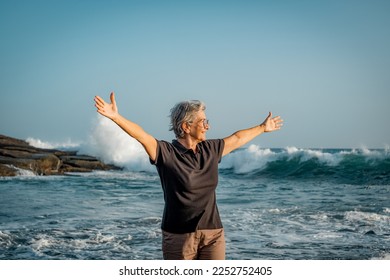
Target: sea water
[280, 204]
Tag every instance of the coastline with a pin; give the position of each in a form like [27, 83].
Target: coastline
[18, 156]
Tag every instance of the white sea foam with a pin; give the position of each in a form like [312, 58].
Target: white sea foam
[6, 239]
[371, 155]
[128, 175]
[249, 159]
[22, 172]
[100, 238]
[41, 242]
[275, 211]
[25, 173]
[327, 235]
[307, 154]
[366, 217]
[255, 158]
[107, 142]
[66, 145]
[112, 145]
[384, 256]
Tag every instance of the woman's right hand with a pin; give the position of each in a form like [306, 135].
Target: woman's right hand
[108, 110]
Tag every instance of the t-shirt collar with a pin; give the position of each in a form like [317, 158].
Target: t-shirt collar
[183, 149]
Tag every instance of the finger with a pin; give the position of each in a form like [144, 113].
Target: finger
[99, 101]
[112, 98]
[278, 121]
[99, 108]
[101, 112]
[278, 125]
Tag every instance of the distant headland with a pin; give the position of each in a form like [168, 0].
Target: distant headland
[17, 155]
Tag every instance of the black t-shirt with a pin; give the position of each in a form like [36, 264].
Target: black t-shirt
[189, 181]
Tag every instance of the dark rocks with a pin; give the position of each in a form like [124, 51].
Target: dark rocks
[17, 156]
[6, 170]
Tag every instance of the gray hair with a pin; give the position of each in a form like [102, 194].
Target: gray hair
[183, 112]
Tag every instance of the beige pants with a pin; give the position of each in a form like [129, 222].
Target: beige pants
[200, 245]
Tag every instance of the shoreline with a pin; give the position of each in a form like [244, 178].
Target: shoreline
[17, 154]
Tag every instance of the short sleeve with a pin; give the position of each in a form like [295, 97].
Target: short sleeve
[158, 156]
[216, 146]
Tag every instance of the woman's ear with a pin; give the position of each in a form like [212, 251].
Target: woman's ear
[186, 127]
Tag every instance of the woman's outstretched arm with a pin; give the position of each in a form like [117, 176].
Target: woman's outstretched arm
[110, 110]
[241, 137]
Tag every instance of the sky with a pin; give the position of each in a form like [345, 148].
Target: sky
[323, 66]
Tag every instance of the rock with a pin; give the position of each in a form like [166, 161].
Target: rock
[6, 170]
[16, 154]
[46, 164]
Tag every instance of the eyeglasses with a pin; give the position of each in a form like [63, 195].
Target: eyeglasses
[204, 122]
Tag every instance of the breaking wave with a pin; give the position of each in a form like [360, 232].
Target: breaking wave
[353, 166]
[112, 145]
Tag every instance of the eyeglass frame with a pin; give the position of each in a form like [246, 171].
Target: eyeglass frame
[205, 122]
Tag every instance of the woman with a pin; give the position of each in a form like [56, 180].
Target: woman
[188, 170]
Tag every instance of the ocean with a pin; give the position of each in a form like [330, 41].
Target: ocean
[275, 204]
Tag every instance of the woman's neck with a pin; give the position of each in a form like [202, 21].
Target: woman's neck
[189, 143]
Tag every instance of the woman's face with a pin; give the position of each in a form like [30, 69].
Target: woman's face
[199, 127]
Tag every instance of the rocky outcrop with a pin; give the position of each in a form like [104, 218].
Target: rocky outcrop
[17, 155]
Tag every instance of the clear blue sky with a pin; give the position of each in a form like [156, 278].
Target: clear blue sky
[324, 66]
